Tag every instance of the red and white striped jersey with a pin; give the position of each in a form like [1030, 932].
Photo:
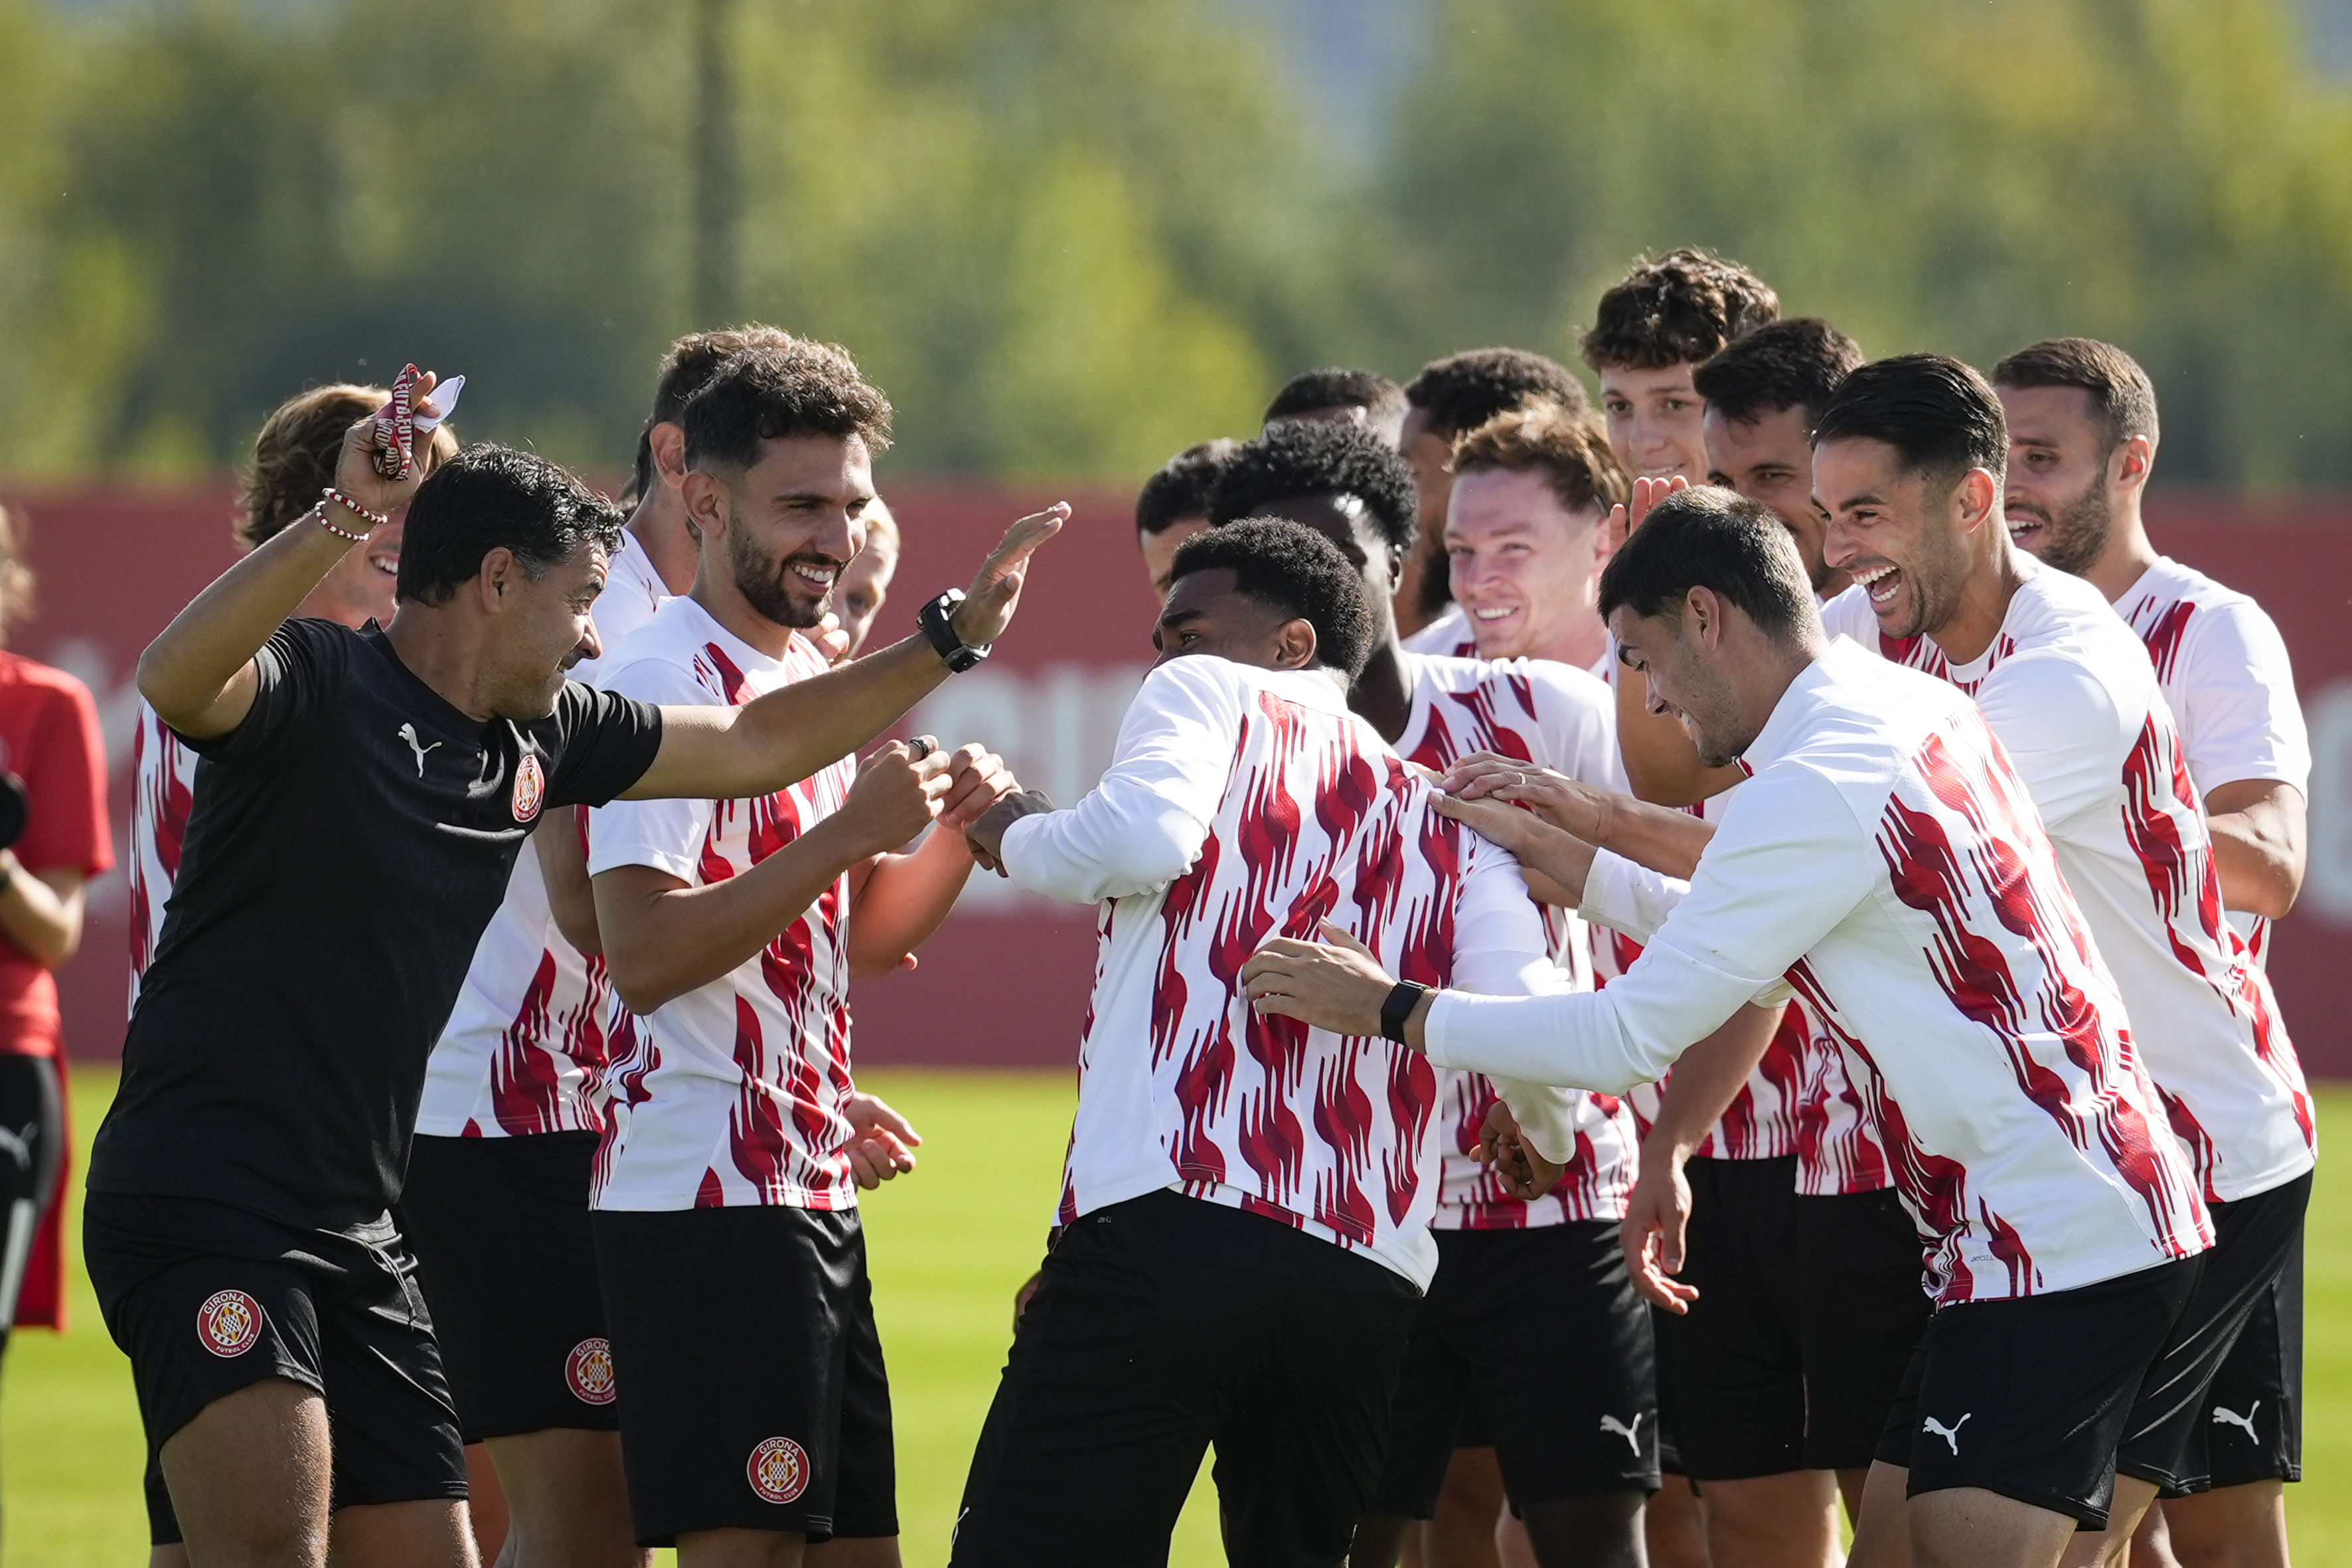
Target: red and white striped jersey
[2073, 697]
[1760, 1122]
[2227, 678]
[1885, 859]
[730, 1095]
[1555, 717]
[536, 1025]
[1838, 1152]
[1243, 804]
[164, 789]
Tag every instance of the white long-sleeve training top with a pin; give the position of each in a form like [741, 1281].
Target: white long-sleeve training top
[1884, 857]
[1243, 805]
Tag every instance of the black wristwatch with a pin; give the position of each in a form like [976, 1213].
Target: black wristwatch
[1398, 1007]
[938, 621]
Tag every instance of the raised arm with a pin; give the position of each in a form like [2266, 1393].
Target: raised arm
[198, 674]
[775, 741]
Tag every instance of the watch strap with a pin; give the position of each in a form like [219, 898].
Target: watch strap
[1399, 1007]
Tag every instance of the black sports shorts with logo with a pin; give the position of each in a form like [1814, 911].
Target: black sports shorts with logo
[207, 1298]
[2030, 1396]
[2228, 1402]
[1861, 1307]
[499, 1227]
[1540, 1331]
[1161, 1326]
[1738, 1357]
[756, 1394]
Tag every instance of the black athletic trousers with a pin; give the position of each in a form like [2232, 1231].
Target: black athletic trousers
[32, 1157]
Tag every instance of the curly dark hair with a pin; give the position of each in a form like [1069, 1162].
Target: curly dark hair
[1320, 457]
[1796, 364]
[1462, 391]
[2125, 397]
[1181, 488]
[1678, 310]
[1938, 413]
[1313, 391]
[1297, 570]
[690, 363]
[772, 390]
[489, 497]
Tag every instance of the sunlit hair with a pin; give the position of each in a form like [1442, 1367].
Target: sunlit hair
[294, 456]
[1320, 457]
[1180, 487]
[1570, 451]
[1312, 392]
[1295, 570]
[772, 391]
[490, 498]
[691, 362]
[1798, 364]
[1678, 310]
[1706, 537]
[2126, 398]
[1462, 391]
[1937, 412]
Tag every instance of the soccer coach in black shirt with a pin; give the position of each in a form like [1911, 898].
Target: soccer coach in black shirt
[362, 799]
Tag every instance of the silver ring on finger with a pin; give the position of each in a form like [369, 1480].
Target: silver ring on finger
[920, 746]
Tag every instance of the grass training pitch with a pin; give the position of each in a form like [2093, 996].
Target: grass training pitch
[948, 1245]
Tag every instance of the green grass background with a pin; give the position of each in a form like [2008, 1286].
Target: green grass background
[948, 1245]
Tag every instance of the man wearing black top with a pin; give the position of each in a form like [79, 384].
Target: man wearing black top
[361, 800]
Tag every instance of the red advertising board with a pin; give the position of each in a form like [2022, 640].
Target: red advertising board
[1005, 981]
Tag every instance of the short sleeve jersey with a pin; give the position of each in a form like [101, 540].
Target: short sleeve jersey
[535, 1023]
[1549, 716]
[732, 1093]
[49, 739]
[2225, 672]
[348, 842]
[1448, 637]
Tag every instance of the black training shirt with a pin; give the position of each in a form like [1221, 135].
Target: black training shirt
[348, 843]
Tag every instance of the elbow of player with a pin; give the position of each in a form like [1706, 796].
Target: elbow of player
[2271, 895]
[173, 704]
[640, 986]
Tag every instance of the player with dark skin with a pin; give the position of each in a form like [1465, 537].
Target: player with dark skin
[249, 1474]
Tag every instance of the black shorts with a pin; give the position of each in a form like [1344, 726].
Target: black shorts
[32, 1113]
[1738, 1360]
[2028, 1397]
[757, 1396]
[1541, 1328]
[1862, 1308]
[1162, 1325]
[207, 1298]
[500, 1230]
[2228, 1403]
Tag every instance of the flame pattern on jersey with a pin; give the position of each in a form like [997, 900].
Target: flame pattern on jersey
[1966, 848]
[785, 1135]
[1498, 714]
[1838, 1153]
[164, 780]
[1328, 1134]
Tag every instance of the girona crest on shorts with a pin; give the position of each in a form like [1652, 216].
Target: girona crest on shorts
[530, 787]
[588, 1370]
[228, 1322]
[779, 1471]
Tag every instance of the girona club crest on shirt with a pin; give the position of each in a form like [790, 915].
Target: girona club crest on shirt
[588, 1370]
[228, 1322]
[779, 1471]
[530, 787]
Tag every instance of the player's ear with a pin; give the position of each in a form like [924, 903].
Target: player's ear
[501, 571]
[1703, 615]
[706, 501]
[1294, 645]
[2134, 457]
[1977, 499]
[667, 440]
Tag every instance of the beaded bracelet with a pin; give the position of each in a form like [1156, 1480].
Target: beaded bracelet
[375, 519]
[318, 514]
